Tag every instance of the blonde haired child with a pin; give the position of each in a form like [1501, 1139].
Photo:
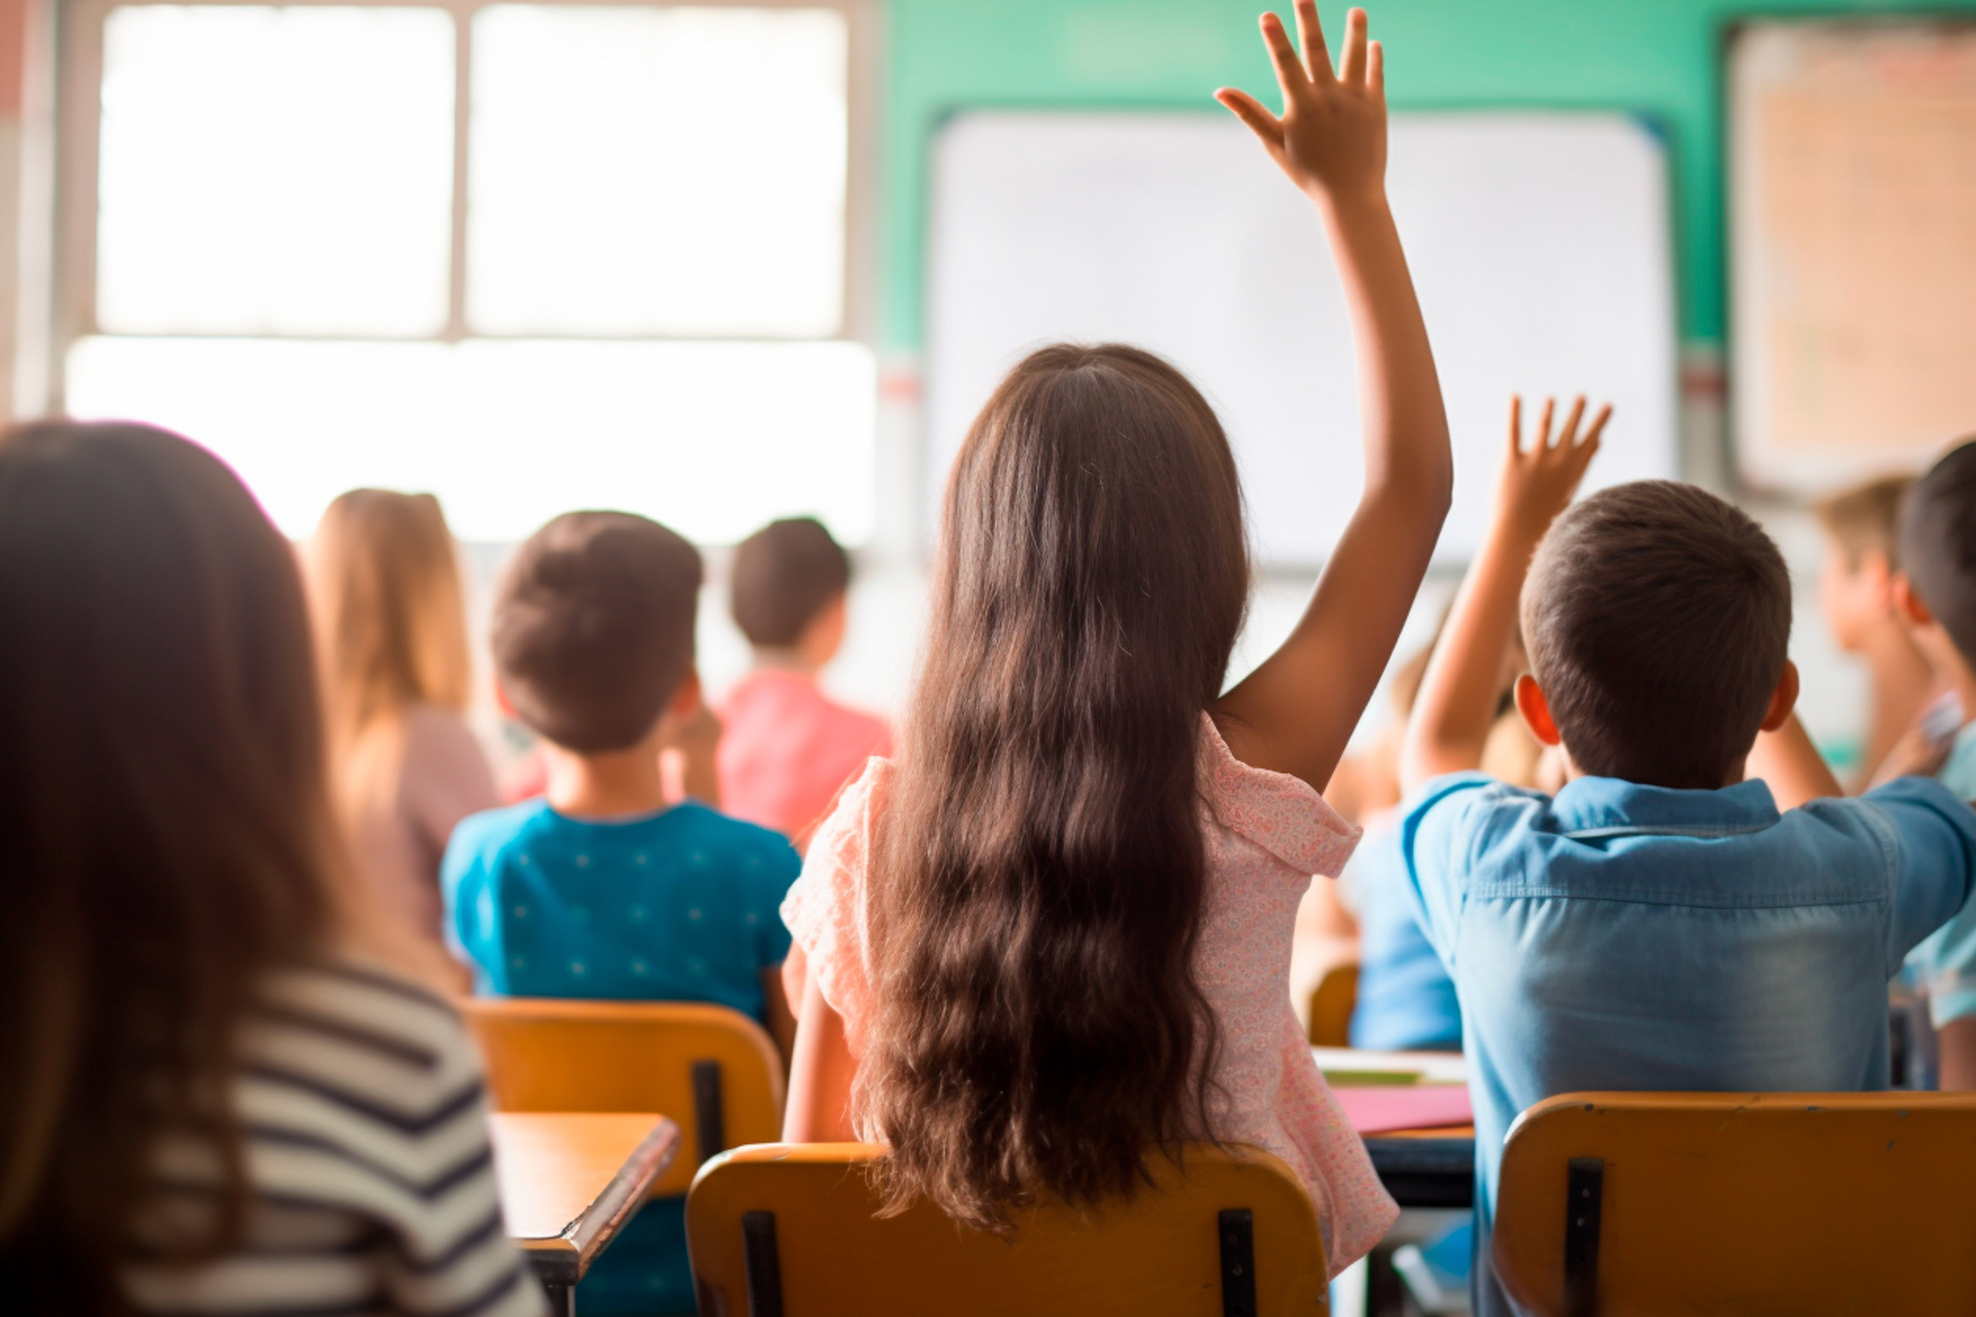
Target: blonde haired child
[1052, 939]
[392, 638]
[1856, 592]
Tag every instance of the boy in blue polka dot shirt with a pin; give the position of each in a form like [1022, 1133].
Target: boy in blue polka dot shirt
[600, 888]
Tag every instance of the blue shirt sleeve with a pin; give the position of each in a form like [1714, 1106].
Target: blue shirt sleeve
[779, 867]
[1933, 872]
[472, 934]
[1436, 831]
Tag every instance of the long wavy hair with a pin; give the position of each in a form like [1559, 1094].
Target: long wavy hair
[165, 833]
[1038, 874]
[391, 633]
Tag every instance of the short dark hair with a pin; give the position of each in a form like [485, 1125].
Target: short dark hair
[1938, 544]
[1658, 622]
[1865, 517]
[593, 628]
[784, 574]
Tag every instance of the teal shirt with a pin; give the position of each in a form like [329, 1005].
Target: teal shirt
[681, 905]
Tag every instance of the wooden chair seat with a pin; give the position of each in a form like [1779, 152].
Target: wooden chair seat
[790, 1228]
[711, 1070]
[1332, 1002]
[1802, 1203]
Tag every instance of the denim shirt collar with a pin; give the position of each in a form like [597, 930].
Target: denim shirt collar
[1609, 806]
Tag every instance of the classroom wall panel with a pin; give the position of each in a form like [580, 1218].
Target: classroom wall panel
[1657, 56]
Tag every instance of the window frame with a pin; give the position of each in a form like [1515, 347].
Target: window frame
[79, 136]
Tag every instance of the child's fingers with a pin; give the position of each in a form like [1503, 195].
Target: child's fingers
[1543, 436]
[1351, 68]
[1250, 111]
[1375, 69]
[1289, 70]
[1568, 433]
[1316, 58]
[1591, 439]
[1516, 425]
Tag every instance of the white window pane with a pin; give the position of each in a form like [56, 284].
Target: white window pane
[657, 171]
[275, 170]
[711, 438]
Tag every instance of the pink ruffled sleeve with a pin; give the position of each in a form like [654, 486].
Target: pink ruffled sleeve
[825, 907]
[1282, 814]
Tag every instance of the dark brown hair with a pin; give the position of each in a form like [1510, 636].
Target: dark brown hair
[1039, 871]
[784, 574]
[1938, 544]
[164, 830]
[1658, 619]
[1865, 517]
[593, 628]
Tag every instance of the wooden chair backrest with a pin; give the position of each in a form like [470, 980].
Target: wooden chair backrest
[1332, 1002]
[790, 1227]
[711, 1070]
[1655, 1203]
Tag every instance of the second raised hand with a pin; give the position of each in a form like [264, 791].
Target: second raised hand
[1331, 136]
[1538, 481]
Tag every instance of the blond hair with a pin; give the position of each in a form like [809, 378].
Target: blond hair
[1866, 517]
[391, 632]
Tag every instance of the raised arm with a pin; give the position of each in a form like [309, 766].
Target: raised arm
[1458, 695]
[1296, 712]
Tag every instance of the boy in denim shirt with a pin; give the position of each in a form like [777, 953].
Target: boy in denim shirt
[603, 888]
[1658, 924]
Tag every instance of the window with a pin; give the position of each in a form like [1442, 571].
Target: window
[531, 257]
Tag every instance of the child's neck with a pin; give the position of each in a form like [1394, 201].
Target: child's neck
[611, 785]
[773, 658]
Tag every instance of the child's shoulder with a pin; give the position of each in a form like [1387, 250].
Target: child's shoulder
[490, 831]
[708, 829]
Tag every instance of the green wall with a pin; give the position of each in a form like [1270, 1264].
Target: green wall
[1656, 56]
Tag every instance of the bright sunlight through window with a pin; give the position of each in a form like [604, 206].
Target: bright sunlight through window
[653, 276]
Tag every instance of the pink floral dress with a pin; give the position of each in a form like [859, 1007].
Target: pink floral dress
[1266, 834]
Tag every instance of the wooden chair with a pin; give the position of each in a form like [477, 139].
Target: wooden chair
[1332, 1002]
[1655, 1203]
[793, 1224]
[711, 1070]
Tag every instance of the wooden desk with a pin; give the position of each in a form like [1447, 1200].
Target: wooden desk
[569, 1180]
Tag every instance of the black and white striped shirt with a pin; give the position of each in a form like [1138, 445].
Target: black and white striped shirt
[364, 1113]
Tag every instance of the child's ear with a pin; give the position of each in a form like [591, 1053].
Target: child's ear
[1878, 565]
[1782, 700]
[1536, 710]
[1908, 604]
[503, 703]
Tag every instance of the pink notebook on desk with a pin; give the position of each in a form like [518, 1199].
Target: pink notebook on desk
[1382, 1110]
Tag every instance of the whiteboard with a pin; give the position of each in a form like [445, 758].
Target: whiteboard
[1539, 243]
[1853, 245]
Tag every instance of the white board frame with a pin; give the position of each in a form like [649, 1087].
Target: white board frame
[1287, 268]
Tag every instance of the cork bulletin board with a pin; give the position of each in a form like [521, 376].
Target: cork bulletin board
[1852, 194]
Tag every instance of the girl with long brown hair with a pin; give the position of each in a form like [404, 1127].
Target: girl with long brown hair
[217, 1096]
[1052, 940]
[391, 633]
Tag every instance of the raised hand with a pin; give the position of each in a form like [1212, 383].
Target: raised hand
[1456, 705]
[1537, 483]
[1296, 712]
[1331, 136]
